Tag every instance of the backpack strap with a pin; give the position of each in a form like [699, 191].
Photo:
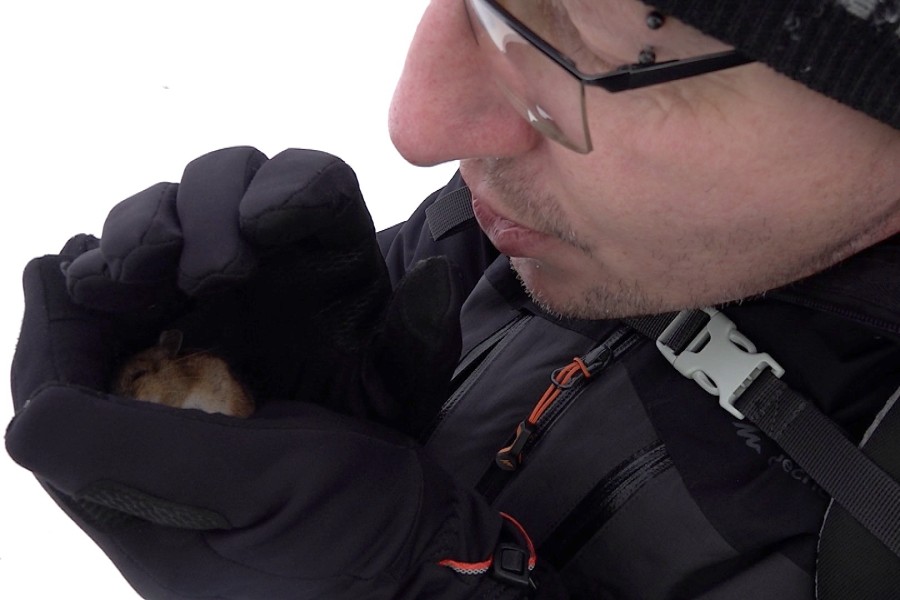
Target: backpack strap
[853, 565]
[704, 345]
[450, 213]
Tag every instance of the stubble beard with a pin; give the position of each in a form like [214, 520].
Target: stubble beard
[604, 300]
[602, 296]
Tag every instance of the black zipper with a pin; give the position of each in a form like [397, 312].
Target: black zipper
[604, 501]
[472, 367]
[835, 309]
[529, 434]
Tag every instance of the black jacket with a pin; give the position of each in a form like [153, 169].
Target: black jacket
[635, 483]
[632, 481]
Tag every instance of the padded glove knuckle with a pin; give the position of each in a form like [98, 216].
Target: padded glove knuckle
[142, 237]
[215, 254]
[136, 255]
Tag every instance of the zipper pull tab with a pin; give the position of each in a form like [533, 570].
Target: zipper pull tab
[510, 457]
[597, 359]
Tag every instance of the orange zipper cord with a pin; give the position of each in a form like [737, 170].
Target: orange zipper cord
[510, 457]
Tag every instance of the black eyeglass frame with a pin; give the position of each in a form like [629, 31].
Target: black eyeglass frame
[627, 77]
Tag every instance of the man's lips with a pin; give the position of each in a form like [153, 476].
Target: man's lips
[510, 238]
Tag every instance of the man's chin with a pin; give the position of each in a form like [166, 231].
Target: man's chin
[558, 300]
[574, 297]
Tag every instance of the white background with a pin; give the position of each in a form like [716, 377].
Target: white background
[99, 100]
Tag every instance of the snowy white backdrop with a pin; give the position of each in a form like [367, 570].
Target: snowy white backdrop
[101, 99]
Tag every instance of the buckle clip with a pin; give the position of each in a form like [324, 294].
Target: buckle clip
[511, 565]
[720, 358]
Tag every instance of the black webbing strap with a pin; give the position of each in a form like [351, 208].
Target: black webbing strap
[852, 564]
[813, 440]
[815, 443]
[682, 335]
[450, 213]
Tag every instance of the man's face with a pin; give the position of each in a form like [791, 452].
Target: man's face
[697, 192]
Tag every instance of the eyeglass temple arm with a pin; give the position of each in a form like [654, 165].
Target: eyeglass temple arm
[637, 76]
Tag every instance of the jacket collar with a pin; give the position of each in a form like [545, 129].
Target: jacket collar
[864, 288]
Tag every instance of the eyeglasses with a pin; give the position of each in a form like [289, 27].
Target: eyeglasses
[544, 83]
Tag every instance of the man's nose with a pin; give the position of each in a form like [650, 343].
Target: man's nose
[446, 105]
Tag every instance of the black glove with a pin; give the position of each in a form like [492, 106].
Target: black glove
[274, 265]
[277, 270]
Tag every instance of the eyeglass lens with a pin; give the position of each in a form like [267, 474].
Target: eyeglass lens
[548, 97]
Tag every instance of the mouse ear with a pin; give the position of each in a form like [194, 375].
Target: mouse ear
[170, 340]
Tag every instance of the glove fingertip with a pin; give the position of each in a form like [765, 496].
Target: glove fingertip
[79, 244]
[302, 193]
[86, 267]
[89, 285]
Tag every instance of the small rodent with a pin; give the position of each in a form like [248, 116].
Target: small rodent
[194, 380]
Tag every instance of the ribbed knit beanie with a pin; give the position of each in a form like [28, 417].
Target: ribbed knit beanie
[846, 49]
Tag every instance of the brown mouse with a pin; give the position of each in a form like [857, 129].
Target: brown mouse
[193, 380]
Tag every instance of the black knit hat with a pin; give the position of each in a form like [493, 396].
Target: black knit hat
[846, 49]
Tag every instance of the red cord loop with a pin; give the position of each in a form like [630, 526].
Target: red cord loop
[500, 570]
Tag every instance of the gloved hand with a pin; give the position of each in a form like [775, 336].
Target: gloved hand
[273, 264]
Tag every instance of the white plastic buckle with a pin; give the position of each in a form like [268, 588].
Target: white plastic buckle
[720, 359]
